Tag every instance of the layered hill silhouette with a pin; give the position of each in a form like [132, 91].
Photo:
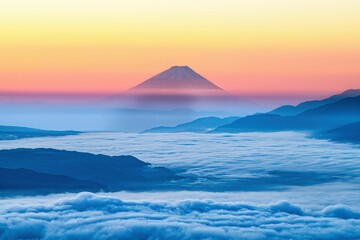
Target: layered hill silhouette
[27, 181]
[199, 125]
[347, 133]
[289, 110]
[13, 133]
[53, 169]
[315, 116]
[321, 118]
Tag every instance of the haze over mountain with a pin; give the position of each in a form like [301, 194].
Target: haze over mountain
[198, 125]
[14, 132]
[177, 88]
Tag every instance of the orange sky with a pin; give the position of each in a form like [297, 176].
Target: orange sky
[259, 46]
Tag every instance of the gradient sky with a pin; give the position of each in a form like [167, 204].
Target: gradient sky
[257, 46]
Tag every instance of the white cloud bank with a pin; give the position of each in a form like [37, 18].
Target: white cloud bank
[91, 216]
[224, 156]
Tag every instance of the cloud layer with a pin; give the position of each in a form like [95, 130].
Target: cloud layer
[91, 216]
[225, 162]
[245, 154]
[318, 209]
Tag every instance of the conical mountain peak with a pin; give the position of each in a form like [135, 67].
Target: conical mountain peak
[177, 78]
[180, 67]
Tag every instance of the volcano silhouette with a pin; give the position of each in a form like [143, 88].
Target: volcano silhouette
[174, 96]
[176, 79]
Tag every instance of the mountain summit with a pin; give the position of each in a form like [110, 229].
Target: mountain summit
[176, 78]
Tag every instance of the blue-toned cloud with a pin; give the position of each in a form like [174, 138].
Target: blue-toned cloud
[221, 156]
[91, 216]
[317, 208]
[225, 162]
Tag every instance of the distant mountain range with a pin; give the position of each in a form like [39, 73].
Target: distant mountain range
[318, 115]
[289, 110]
[338, 112]
[13, 133]
[321, 118]
[199, 125]
[51, 170]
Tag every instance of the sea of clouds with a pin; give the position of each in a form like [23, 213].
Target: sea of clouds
[224, 162]
[320, 202]
[225, 156]
[92, 216]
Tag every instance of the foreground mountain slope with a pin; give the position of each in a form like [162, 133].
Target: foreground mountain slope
[321, 118]
[116, 173]
[26, 181]
[289, 110]
[13, 132]
[346, 108]
[347, 133]
[198, 125]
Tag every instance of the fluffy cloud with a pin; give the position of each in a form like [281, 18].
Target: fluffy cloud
[91, 216]
[251, 155]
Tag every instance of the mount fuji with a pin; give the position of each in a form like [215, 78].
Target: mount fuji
[177, 79]
[176, 95]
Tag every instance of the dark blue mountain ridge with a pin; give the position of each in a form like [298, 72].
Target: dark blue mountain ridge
[24, 181]
[346, 107]
[114, 172]
[14, 132]
[325, 117]
[349, 133]
[289, 110]
[199, 125]
[261, 123]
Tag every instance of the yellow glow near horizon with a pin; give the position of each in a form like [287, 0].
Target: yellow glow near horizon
[184, 23]
[229, 41]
